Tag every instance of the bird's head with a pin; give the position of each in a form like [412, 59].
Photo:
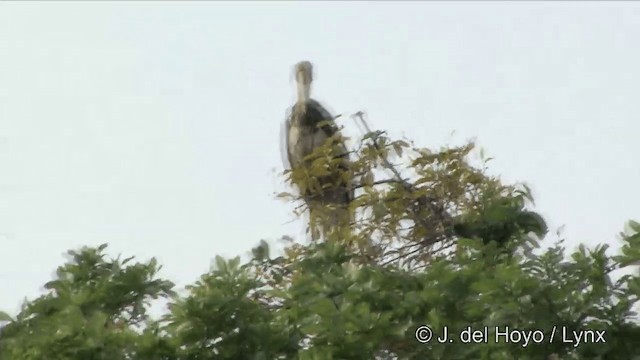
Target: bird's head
[303, 72]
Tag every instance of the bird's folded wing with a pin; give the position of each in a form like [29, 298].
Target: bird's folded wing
[284, 148]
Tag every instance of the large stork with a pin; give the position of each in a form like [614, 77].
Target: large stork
[308, 127]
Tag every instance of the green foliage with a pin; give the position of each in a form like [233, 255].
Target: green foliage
[90, 310]
[436, 243]
[5, 317]
[221, 318]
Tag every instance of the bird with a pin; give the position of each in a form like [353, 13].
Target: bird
[308, 127]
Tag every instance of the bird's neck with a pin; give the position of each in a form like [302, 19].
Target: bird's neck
[301, 103]
[304, 89]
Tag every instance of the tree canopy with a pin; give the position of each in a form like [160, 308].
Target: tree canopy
[438, 246]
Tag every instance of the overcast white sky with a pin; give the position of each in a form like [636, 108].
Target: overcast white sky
[154, 126]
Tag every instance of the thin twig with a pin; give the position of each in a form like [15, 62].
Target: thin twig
[379, 182]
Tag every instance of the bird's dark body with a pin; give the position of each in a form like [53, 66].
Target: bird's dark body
[303, 137]
[314, 114]
[303, 133]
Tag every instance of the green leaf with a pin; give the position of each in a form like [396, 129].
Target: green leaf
[5, 317]
[221, 264]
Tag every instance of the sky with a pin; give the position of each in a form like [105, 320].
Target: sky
[154, 126]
